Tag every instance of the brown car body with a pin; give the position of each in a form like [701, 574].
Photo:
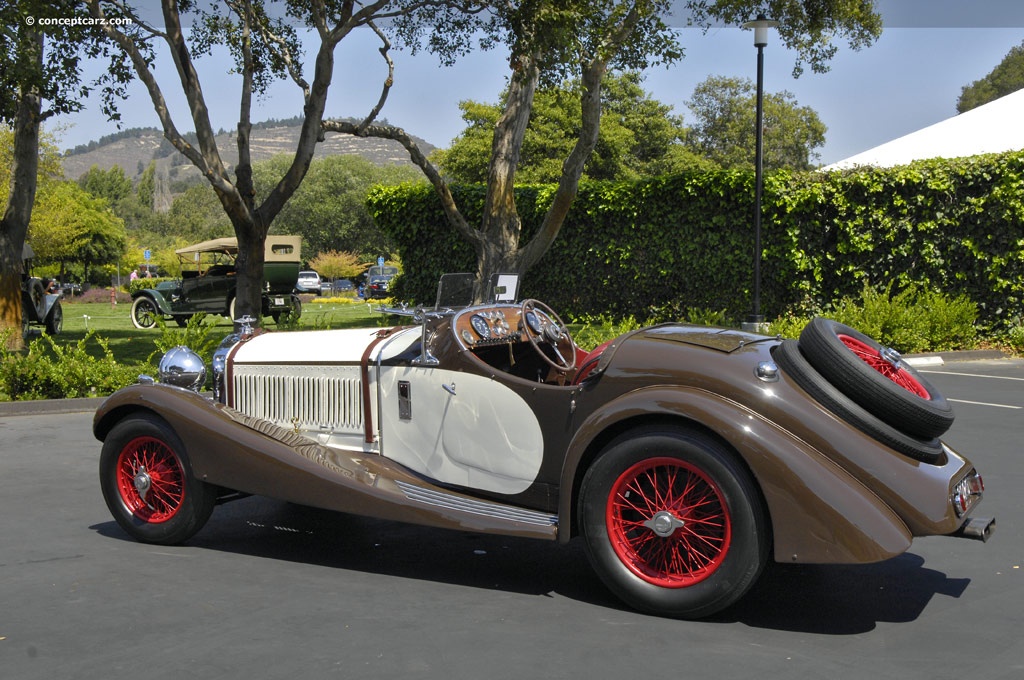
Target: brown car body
[831, 493]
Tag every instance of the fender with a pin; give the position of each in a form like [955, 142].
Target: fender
[156, 296]
[241, 453]
[819, 512]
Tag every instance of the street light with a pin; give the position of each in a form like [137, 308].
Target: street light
[760, 26]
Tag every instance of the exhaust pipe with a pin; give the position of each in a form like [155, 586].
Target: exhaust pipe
[977, 528]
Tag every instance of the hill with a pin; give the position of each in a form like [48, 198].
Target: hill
[135, 148]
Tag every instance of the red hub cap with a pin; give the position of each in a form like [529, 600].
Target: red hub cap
[668, 522]
[150, 480]
[886, 362]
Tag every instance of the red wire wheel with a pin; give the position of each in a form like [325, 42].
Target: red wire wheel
[889, 368]
[876, 378]
[150, 479]
[668, 522]
[147, 482]
[672, 521]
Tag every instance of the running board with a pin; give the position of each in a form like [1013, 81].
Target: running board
[442, 499]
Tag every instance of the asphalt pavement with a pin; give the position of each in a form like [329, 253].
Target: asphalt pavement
[272, 590]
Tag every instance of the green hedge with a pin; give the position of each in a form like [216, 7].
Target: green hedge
[654, 248]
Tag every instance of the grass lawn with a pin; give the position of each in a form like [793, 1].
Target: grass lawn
[130, 345]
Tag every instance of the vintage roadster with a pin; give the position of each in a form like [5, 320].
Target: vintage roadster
[684, 457]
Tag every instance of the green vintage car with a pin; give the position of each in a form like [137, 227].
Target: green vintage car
[208, 279]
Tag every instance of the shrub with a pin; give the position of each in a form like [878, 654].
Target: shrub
[49, 371]
[912, 320]
[198, 335]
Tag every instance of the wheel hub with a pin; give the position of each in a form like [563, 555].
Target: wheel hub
[664, 523]
[891, 356]
[143, 483]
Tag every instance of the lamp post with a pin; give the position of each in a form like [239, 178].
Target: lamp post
[760, 26]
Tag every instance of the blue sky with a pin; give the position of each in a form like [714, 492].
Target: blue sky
[909, 79]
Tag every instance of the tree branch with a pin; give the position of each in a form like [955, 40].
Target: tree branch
[127, 44]
[388, 82]
[416, 155]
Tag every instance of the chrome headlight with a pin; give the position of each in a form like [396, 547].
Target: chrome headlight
[182, 367]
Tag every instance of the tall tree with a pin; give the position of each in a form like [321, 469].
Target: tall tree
[724, 126]
[69, 225]
[1007, 77]
[549, 41]
[554, 40]
[637, 135]
[39, 61]
[264, 44]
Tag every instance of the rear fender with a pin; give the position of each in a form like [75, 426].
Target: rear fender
[819, 512]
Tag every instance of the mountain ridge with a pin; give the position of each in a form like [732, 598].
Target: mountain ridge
[134, 149]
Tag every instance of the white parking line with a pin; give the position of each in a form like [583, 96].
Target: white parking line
[974, 375]
[982, 403]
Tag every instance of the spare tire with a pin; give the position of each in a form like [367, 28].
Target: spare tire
[791, 360]
[876, 378]
[37, 294]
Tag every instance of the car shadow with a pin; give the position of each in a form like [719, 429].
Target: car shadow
[821, 599]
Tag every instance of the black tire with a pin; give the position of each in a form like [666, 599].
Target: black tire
[875, 378]
[792, 361]
[148, 485]
[37, 294]
[687, 550]
[182, 319]
[144, 313]
[55, 319]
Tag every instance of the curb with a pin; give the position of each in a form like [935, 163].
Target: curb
[43, 407]
[941, 358]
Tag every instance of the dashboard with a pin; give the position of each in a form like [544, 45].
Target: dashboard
[487, 326]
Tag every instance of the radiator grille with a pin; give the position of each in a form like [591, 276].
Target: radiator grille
[317, 398]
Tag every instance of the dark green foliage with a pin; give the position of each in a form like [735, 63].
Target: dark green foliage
[913, 320]
[656, 248]
[48, 370]
[1007, 77]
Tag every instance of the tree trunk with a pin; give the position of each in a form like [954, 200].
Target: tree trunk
[14, 223]
[498, 251]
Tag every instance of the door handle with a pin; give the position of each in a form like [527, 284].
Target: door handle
[450, 389]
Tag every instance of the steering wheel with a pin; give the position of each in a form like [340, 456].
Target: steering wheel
[541, 324]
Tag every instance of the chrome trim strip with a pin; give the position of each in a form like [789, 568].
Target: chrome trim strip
[477, 507]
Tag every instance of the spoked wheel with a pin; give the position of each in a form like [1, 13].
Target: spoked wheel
[668, 523]
[876, 377]
[148, 485]
[144, 313]
[55, 320]
[672, 523]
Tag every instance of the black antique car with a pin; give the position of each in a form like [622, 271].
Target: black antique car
[684, 457]
[208, 279]
[40, 300]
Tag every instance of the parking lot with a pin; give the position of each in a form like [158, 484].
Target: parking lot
[271, 590]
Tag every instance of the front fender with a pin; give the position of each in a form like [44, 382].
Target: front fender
[157, 297]
[819, 512]
[234, 451]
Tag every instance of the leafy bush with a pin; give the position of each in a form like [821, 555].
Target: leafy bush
[51, 371]
[684, 241]
[588, 332]
[912, 320]
[199, 335]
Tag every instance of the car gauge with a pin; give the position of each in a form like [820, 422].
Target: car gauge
[480, 326]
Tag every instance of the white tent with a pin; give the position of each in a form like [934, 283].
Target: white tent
[995, 127]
